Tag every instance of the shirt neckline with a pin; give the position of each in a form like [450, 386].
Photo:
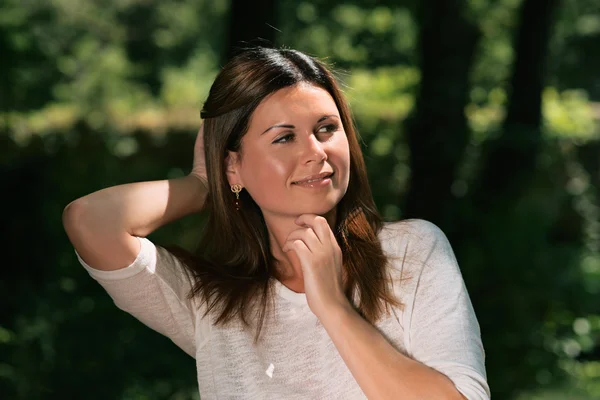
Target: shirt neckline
[290, 295]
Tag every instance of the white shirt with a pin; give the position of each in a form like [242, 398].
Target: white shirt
[295, 358]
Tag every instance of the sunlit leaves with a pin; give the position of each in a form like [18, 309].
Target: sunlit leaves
[569, 114]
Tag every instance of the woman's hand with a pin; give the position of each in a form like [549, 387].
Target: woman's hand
[320, 258]
[199, 164]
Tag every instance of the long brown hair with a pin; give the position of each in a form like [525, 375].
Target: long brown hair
[233, 266]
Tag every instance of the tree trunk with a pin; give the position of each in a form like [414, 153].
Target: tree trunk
[251, 23]
[510, 159]
[506, 237]
[437, 131]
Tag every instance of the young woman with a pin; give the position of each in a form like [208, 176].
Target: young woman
[298, 290]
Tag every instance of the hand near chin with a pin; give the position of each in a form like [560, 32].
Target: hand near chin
[320, 258]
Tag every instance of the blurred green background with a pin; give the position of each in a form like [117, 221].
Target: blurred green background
[482, 116]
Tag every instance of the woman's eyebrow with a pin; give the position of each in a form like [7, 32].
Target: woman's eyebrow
[323, 118]
[279, 126]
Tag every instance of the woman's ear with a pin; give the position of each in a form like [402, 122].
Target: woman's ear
[232, 168]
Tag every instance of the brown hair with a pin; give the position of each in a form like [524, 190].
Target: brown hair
[233, 266]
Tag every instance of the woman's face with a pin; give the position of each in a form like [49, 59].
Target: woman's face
[295, 134]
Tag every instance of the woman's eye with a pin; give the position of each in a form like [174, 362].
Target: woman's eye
[325, 129]
[328, 128]
[284, 139]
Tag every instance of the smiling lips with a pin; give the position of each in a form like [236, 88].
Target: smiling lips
[314, 178]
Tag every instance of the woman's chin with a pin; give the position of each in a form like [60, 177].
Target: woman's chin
[319, 210]
[324, 207]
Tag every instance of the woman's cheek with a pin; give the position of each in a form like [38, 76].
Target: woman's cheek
[266, 182]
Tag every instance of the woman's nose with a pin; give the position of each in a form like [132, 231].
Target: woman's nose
[314, 150]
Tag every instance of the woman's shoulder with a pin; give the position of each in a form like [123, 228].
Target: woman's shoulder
[414, 241]
[414, 229]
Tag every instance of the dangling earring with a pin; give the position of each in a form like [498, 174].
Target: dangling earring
[237, 189]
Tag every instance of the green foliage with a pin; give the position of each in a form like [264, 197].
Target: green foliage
[63, 333]
[350, 34]
[97, 54]
[103, 93]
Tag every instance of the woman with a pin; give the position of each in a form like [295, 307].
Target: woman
[298, 290]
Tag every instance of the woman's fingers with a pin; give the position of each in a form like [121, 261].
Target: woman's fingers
[306, 235]
[318, 224]
[199, 163]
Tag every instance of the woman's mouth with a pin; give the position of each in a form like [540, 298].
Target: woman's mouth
[315, 181]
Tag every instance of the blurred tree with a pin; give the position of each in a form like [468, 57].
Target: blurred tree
[28, 69]
[515, 205]
[437, 131]
[509, 159]
[104, 56]
[576, 58]
[140, 21]
[249, 21]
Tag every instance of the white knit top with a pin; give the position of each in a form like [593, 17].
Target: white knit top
[295, 358]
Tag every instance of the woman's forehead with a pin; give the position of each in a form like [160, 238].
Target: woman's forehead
[295, 102]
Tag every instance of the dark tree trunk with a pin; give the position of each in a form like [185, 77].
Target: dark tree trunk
[509, 160]
[251, 23]
[437, 131]
[507, 235]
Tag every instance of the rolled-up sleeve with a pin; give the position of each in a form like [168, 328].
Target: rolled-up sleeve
[443, 332]
[154, 289]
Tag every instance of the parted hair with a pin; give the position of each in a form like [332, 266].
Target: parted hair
[233, 267]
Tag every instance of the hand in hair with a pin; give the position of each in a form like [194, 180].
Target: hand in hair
[320, 258]
[199, 164]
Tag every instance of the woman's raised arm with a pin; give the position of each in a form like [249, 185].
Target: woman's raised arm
[103, 225]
